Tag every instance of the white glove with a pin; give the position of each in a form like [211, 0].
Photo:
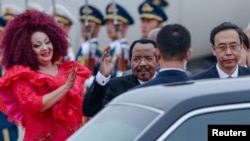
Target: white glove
[88, 47]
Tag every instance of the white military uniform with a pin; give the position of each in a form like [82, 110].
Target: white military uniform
[63, 15]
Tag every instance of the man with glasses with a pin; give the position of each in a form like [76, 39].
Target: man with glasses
[104, 88]
[226, 44]
[173, 52]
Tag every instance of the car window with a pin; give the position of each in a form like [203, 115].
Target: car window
[125, 126]
[196, 128]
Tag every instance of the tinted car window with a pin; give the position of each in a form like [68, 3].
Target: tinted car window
[125, 126]
[195, 128]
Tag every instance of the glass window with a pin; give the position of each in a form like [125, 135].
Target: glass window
[195, 128]
[110, 126]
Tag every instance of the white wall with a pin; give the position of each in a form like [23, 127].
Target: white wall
[200, 16]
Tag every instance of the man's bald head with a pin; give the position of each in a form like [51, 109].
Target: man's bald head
[153, 34]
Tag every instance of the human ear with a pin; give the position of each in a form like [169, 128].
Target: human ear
[157, 54]
[213, 50]
[188, 54]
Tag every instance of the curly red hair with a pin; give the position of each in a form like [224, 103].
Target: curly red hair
[16, 42]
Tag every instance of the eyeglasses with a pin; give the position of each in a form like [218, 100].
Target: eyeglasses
[232, 47]
[139, 60]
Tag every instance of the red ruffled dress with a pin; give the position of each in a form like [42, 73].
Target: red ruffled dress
[21, 91]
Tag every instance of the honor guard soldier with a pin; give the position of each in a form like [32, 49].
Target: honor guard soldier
[152, 16]
[9, 11]
[8, 130]
[117, 22]
[89, 54]
[65, 19]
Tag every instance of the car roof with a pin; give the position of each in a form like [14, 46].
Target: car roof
[173, 101]
[177, 99]
[189, 95]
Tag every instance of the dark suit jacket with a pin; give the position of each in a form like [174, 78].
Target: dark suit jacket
[167, 76]
[213, 73]
[98, 95]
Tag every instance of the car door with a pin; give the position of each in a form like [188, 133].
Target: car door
[194, 126]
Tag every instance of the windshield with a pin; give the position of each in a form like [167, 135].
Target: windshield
[111, 126]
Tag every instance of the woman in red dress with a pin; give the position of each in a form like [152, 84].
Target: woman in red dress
[35, 92]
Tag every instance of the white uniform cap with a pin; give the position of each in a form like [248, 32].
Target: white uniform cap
[10, 10]
[36, 7]
[62, 14]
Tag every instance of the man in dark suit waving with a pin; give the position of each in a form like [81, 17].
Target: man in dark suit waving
[227, 43]
[173, 51]
[143, 63]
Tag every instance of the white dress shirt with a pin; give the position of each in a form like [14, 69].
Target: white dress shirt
[223, 75]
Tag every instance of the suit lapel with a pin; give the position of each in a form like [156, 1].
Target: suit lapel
[213, 72]
[243, 71]
[132, 80]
